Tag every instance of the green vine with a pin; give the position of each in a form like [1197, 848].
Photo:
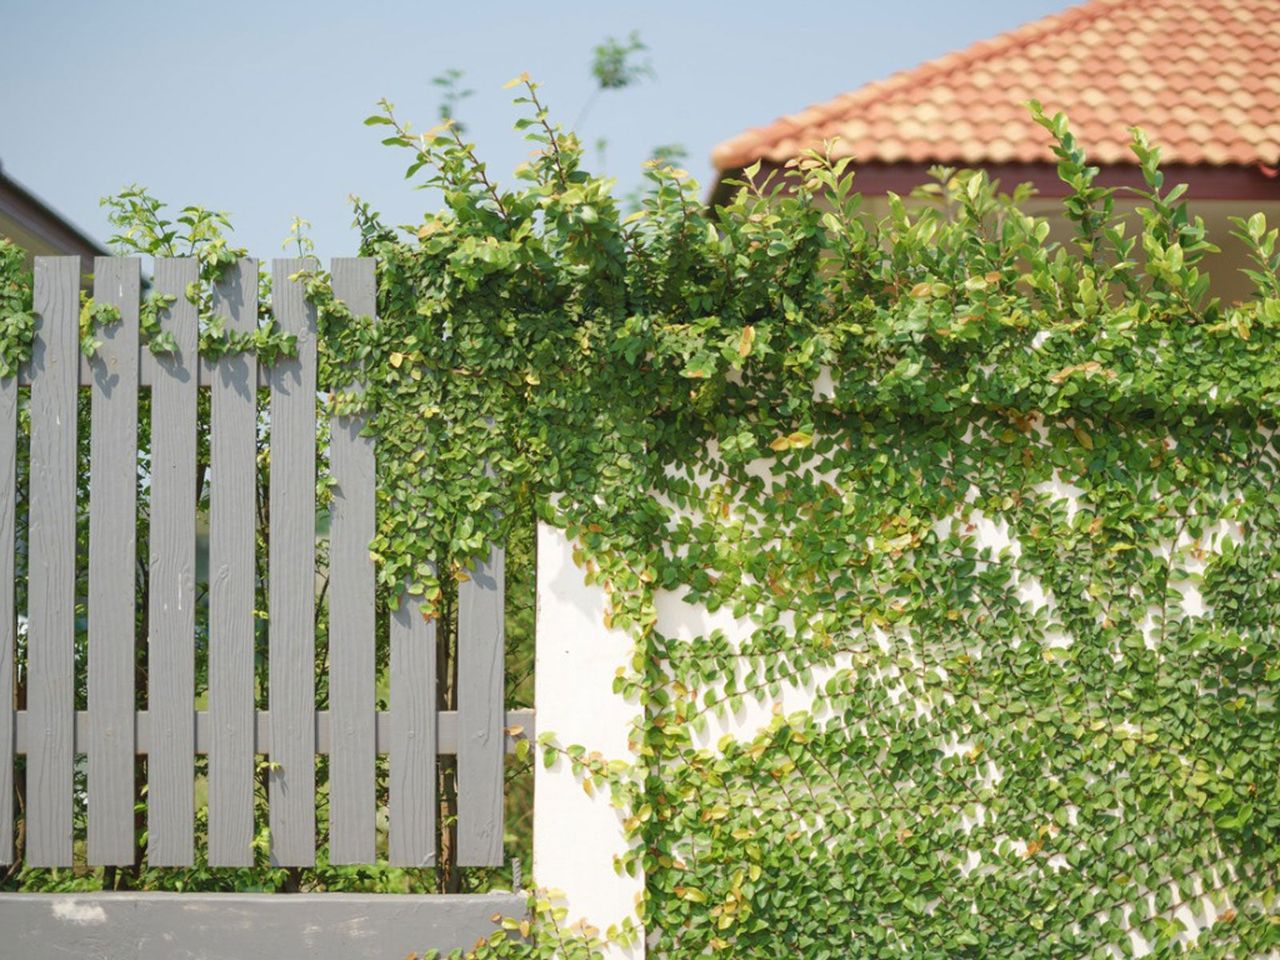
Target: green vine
[1004, 509]
[94, 317]
[199, 233]
[17, 321]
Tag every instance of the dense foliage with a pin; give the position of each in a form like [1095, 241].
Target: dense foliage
[1020, 537]
[1006, 506]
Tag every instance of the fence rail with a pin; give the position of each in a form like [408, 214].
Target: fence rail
[171, 731]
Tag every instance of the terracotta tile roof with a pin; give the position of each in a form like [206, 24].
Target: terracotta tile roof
[1202, 77]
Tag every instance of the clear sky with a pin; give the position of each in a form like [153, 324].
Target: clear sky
[257, 107]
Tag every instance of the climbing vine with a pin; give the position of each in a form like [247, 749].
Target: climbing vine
[17, 322]
[987, 523]
[204, 235]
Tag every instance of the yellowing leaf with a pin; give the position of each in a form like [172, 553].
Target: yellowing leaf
[1093, 366]
[516, 81]
[748, 338]
[396, 359]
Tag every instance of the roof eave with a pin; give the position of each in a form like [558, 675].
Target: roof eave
[36, 217]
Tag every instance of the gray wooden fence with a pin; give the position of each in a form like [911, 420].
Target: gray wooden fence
[170, 732]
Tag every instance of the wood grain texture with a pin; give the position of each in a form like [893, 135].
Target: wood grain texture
[8, 614]
[113, 525]
[412, 787]
[171, 568]
[352, 681]
[481, 646]
[291, 576]
[233, 498]
[52, 565]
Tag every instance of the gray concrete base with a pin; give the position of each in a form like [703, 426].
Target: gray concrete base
[243, 926]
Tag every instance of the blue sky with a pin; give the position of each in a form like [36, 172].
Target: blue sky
[257, 107]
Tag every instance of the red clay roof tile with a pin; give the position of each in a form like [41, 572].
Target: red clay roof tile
[1201, 77]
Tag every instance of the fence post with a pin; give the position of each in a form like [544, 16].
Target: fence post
[232, 518]
[291, 578]
[576, 836]
[51, 569]
[171, 568]
[352, 622]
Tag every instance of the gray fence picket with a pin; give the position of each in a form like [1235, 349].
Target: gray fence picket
[233, 501]
[352, 680]
[8, 615]
[481, 646]
[412, 789]
[172, 573]
[51, 591]
[113, 524]
[291, 576]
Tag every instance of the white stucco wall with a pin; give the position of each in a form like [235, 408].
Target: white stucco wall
[576, 836]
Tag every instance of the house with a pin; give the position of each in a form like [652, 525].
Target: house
[39, 229]
[1201, 77]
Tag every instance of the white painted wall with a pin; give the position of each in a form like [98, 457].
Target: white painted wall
[576, 836]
